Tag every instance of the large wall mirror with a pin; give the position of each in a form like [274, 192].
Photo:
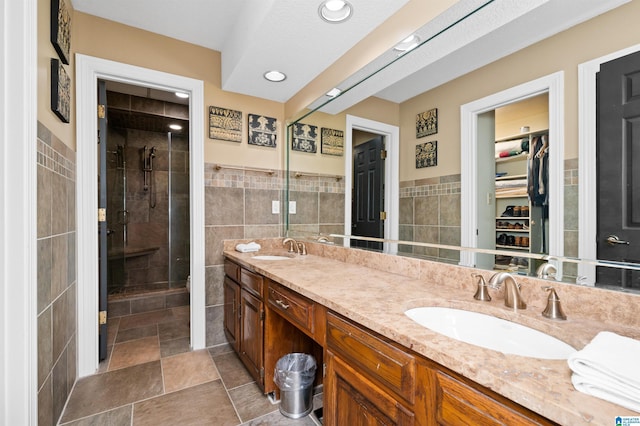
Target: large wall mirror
[435, 152]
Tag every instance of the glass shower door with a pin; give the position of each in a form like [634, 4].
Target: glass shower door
[179, 239]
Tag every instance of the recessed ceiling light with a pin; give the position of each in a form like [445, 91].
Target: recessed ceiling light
[274, 76]
[334, 92]
[175, 127]
[335, 11]
[182, 95]
[407, 44]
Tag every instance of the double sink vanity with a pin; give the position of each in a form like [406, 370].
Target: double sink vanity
[369, 320]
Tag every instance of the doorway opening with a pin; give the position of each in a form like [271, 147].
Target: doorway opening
[146, 164]
[478, 139]
[88, 71]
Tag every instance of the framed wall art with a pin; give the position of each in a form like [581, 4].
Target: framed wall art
[61, 29]
[262, 130]
[225, 124]
[60, 91]
[427, 123]
[331, 141]
[427, 154]
[304, 138]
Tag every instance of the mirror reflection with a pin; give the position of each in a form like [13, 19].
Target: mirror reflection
[428, 203]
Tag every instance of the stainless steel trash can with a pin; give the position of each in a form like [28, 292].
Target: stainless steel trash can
[294, 374]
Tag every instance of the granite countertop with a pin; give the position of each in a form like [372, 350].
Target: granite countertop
[377, 300]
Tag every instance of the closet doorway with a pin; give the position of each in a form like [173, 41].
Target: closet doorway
[478, 203]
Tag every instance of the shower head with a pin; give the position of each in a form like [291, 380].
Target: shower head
[153, 151]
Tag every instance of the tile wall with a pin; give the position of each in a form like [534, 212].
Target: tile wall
[57, 285]
[237, 206]
[430, 213]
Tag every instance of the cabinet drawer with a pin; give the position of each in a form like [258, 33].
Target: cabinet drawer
[296, 308]
[251, 282]
[376, 358]
[458, 403]
[231, 270]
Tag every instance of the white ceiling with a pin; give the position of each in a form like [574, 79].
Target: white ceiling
[255, 36]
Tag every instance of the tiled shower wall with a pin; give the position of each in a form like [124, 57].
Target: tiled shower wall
[237, 206]
[57, 286]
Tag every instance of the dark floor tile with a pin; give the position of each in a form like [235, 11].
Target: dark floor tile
[174, 347]
[173, 330]
[102, 392]
[232, 371]
[277, 419]
[119, 308]
[250, 402]
[220, 349]
[206, 404]
[137, 333]
[118, 417]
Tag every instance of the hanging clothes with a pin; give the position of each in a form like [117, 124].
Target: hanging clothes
[538, 182]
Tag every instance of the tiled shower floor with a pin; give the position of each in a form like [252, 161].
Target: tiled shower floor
[151, 378]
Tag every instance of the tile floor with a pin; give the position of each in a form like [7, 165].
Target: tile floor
[150, 377]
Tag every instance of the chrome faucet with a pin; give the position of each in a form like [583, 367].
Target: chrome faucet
[546, 271]
[293, 245]
[512, 296]
[302, 249]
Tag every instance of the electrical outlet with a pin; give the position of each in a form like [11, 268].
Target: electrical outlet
[275, 207]
[292, 207]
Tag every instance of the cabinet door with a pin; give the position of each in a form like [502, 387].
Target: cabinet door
[351, 399]
[251, 335]
[231, 312]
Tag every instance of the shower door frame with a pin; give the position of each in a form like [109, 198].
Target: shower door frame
[88, 71]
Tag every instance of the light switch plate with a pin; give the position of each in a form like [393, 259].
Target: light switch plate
[292, 207]
[275, 207]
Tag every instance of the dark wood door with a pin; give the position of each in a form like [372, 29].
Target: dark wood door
[618, 168]
[368, 193]
[102, 220]
[251, 335]
[231, 311]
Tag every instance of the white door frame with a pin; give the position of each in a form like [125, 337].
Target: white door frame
[391, 136]
[552, 84]
[88, 71]
[588, 197]
[18, 213]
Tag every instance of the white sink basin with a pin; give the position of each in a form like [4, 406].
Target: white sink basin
[490, 332]
[269, 257]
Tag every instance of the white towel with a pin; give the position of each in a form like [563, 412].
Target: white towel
[609, 368]
[248, 248]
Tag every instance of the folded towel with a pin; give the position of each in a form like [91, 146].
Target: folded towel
[248, 248]
[608, 368]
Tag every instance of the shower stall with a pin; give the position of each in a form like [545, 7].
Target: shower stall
[147, 207]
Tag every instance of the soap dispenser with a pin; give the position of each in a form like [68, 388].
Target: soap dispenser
[553, 309]
[482, 293]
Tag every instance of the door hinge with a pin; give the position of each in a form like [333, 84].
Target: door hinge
[262, 373]
[102, 317]
[262, 315]
[324, 369]
[101, 111]
[102, 215]
[383, 215]
[383, 154]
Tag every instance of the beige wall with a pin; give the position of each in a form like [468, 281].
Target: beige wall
[563, 52]
[109, 40]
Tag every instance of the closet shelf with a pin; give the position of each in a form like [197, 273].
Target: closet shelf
[521, 156]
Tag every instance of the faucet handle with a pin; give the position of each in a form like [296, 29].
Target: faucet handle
[482, 292]
[293, 245]
[554, 308]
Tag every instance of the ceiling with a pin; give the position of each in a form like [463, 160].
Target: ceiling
[255, 36]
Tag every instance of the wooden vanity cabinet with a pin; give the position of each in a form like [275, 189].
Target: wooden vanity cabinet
[244, 317]
[371, 380]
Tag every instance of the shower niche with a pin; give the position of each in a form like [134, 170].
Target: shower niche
[147, 197]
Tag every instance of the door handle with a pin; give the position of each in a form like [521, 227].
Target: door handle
[612, 240]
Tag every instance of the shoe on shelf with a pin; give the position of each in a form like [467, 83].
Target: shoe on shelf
[517, 211]
[511, 240]
[524, 211]
[517, 225]
[502, 239]
[508, 212]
